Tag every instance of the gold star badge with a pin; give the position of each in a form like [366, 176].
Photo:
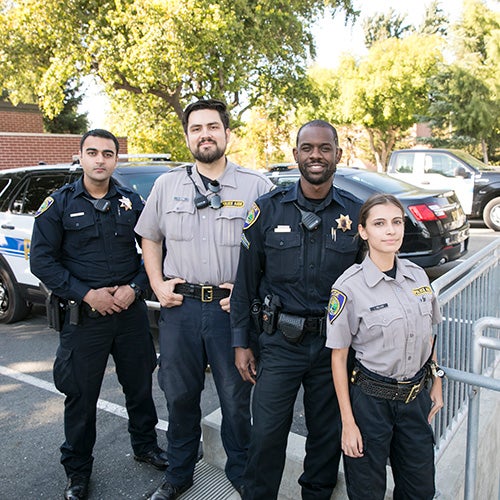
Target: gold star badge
[344, 222]
[125, 203]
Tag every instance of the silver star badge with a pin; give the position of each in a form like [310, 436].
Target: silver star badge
[125, 203]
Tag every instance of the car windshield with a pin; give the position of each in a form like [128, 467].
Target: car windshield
[141, 182]
[471, 160]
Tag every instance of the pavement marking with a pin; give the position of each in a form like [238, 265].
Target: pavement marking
[102, 404]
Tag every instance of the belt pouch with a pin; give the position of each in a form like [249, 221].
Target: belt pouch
[292, 327]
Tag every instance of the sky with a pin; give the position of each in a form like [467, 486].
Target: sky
[332, 39]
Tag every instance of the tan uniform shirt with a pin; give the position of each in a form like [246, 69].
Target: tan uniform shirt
[387, 321]
[202, 244]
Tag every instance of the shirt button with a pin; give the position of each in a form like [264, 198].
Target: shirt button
[311, 266]
[411, 334]
[312, 240]
[281, 243]
[409, 358]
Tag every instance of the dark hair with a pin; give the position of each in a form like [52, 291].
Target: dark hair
[374, 200]
[206, 104]
[322, 124]
[99, 132]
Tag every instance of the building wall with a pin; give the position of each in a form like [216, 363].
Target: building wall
[23, 150]
[21, 118]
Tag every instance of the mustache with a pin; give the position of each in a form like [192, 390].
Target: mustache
[204, 141]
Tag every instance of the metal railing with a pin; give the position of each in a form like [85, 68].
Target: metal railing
[466, 293]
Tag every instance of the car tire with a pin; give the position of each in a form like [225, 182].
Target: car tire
[13, 307]
[491, 214]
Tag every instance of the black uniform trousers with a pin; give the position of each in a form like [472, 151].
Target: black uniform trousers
[282, 368]
[400, 432]
[78, 372]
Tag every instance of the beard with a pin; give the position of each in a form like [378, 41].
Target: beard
[209, 155]
[319, 178]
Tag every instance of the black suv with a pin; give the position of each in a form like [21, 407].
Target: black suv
[22, 191]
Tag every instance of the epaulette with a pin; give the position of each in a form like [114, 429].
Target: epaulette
[347, 194]
[125, 190]
[349, 272]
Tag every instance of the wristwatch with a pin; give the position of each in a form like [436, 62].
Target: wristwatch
[137, 290]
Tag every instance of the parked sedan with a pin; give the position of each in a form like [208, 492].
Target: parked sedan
[436, 227]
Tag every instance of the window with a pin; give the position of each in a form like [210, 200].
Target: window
[35, 189]
[439, 163]
[404, 163]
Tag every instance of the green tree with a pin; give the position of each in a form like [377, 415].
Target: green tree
[384, 25]
[435, 21]
[388, 90]
[465, 100]
[165, 53]
[69, 120]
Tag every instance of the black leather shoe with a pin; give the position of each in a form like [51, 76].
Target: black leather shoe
[167, 491]
[156, 457]
[77, 488]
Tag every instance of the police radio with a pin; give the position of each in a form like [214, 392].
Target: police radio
[310, 220]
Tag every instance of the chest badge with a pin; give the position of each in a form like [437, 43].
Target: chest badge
[125, 203]
[344, 222]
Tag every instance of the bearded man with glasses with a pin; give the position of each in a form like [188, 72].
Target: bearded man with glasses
[197, 213]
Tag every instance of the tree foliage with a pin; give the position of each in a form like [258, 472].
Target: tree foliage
[161, 53]
[69, 120]
[389, 88]
[465, 95]
[384, 25]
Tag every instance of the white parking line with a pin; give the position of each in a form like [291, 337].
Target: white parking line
[102, 404]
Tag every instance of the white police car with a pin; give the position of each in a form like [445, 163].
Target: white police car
[22, 190]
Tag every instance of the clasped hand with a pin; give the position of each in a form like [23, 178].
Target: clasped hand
[110, 299]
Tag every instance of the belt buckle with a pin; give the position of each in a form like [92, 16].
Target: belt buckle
[413, 393]
[207, 293]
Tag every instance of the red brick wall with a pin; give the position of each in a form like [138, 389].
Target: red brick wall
[24, 150]
[22, 118]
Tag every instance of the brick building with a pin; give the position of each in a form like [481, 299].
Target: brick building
[23, 142]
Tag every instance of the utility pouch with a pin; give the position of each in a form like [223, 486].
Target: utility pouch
[74, 312]
[270, 312]
[292, 327]
[55, 309]
[256, 313]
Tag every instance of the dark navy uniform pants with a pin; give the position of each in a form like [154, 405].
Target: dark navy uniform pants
[78, 372]
[192, 335]
[395, 430]
[282, 368]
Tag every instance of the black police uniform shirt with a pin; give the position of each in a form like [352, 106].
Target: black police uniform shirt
[280, 256]
[75, 248]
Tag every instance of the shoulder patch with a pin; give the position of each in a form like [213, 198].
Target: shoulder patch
[252, 216]
[47, 203]
[336, 304]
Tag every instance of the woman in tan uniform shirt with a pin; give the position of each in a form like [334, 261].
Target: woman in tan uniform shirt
[384, 309]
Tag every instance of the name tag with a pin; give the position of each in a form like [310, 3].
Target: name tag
[282, 229]
[77, 214]
[380, 306]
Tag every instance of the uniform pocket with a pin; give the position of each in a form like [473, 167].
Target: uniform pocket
[283, 250]
[228, 227]
[80, 231]
[64, 377]
[388, 325]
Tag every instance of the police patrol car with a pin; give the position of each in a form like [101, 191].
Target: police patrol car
[22, 191]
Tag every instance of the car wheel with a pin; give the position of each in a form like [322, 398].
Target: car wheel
[12, 305]
[491, 214]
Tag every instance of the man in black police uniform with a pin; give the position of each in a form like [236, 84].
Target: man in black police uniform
[296, 242]
[83, 249]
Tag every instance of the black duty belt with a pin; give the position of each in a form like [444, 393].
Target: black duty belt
[397, 391]
[205, 293]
